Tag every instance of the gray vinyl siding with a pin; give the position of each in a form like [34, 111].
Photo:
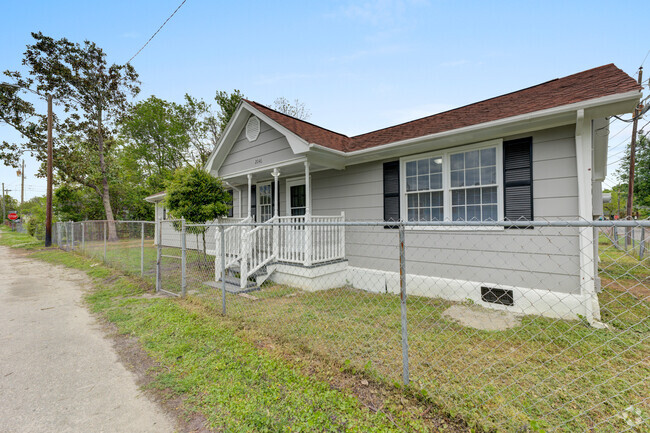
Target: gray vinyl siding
[541, 258]
[271, 147]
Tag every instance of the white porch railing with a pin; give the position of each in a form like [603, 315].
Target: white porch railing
[232, 245]
[258, 249]
[257, 246]
[313, 244]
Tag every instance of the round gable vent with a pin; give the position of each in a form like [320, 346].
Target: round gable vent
[253, 128]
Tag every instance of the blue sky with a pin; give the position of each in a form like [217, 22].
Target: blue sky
[356, 65]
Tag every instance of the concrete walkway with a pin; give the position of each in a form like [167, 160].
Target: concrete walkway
[57, 371]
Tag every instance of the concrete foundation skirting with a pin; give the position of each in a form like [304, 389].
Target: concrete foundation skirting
[313, 278]
[526, 300]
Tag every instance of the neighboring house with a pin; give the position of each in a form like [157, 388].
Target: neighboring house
[536, 154]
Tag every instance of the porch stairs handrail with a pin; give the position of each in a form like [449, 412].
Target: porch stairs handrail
[259, 247]
[233, 246]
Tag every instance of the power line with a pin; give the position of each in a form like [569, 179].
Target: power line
[159, 29]
[645, 58]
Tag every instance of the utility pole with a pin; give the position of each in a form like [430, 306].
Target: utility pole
[630, 184]
[4, 210]
[48, 208]
[22, 184]
[630, 187]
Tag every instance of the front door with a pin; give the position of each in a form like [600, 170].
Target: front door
[264, 202]
[296, 206]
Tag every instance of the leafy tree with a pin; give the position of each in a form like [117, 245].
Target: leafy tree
[202, 129]
[198, 197]
[32, 212]
[227, 103]
[163, 136]
[641, 172]
[20, 114]
[92, 94]
[76, 203]
[296, 109]
[156, 137]
[618, 203]
[10, 204]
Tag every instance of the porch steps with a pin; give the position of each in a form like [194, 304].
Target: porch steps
[232, 285]
[232, 279]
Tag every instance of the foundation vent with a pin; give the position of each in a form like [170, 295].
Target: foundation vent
[497, 296]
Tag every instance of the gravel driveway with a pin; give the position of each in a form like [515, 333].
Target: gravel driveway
[58, 373]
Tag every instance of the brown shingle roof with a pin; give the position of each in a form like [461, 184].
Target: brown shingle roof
[594, 83]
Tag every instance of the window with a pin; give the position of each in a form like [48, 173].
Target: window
[297, 200]
[424, 193]
[474, 185]
[231, 203]
[457, 185]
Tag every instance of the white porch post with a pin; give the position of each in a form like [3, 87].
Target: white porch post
[308, 229]
[250, 184]
[586, 234]
[276, 213]
[276, 174]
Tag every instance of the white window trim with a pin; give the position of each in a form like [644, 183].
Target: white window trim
[446, 183]
[296, 181]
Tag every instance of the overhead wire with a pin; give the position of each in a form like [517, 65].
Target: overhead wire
[157, 31]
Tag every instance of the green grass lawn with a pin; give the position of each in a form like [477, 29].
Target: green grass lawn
[203, 357]
[552, 374]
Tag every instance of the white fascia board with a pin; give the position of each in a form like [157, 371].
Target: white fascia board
[218, 154]
[297, 143]
[552, 117]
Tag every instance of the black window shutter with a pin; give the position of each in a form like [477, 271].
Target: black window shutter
[518, 179]
[254, 202]
[391, 192]
[231, 202]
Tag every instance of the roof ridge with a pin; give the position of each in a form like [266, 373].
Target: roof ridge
[295, 118]
[481, 101]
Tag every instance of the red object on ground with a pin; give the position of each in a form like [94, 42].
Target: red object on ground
[13, 216]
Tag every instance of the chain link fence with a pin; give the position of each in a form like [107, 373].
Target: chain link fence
[513, 326]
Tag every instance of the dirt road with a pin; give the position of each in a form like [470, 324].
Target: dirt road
[58, 373]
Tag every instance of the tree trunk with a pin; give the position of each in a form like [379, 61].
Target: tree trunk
[106, 197]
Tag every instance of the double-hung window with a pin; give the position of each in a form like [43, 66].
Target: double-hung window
[454, 185]
[424, 189]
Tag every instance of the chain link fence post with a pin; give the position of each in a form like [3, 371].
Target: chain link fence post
[142, 249]
[223, 268]
[183, 259]
[159, 257]
[402, 284]
[642, 243]
[83, 237]
[105, 240]
[71, 232]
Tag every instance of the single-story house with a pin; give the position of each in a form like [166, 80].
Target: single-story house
[534, 154]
